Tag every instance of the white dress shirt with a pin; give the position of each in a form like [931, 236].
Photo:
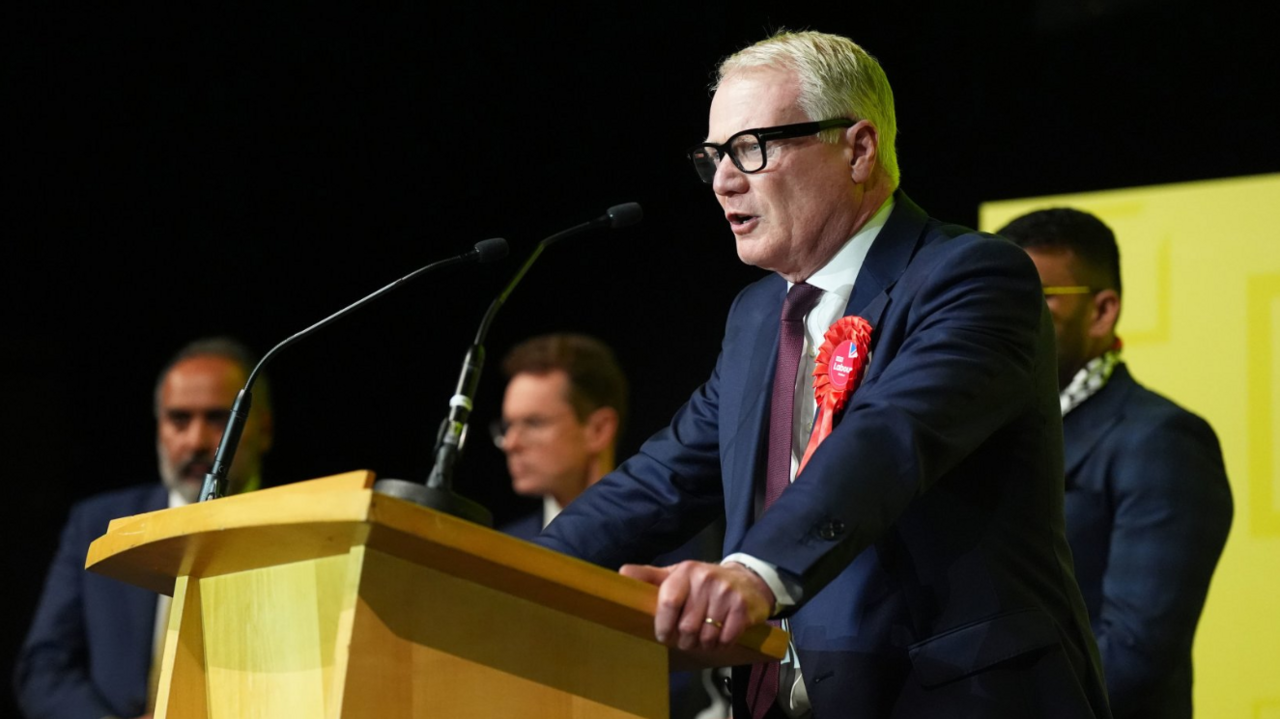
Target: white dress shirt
[835, 279]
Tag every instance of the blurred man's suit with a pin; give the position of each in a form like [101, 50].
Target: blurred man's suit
[1148, 511]
[86, 613]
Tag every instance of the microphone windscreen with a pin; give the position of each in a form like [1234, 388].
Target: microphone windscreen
[491, 250]
[624, 215]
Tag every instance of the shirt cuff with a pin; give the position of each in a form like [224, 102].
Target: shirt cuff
[786, 592]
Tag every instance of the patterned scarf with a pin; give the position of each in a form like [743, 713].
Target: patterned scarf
[1091, 378]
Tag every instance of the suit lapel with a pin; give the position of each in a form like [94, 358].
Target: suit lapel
[887, 260]
[158, 498]
[1093, 419]
[746, 460]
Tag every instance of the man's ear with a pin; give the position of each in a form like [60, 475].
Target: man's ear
[864, 139]
[601, 429]
[1106, 312]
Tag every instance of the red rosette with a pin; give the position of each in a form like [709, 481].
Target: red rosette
[837, 372]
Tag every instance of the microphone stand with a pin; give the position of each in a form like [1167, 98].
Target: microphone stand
[215, 481]
[438, 492]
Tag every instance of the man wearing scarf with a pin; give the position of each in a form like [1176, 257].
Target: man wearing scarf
[1148, 504]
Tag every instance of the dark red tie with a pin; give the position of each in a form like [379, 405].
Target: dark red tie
[762, 685]
[800, 300]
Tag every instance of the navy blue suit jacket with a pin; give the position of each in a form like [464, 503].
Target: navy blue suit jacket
[927, 531]
[1148, 512]
[525, 527]
[89, 650]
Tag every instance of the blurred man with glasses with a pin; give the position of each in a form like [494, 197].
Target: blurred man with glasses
[1148, 502]
[918, 557]
[562, 414]
[564, 409]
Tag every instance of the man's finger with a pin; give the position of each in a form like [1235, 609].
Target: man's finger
[693, 617]
[672, 595]
[714, 621]
[645, 573]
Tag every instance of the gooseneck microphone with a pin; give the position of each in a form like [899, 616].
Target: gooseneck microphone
[438, 493]
[215, 481]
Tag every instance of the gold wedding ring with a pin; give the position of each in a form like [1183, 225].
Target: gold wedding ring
[714, 623]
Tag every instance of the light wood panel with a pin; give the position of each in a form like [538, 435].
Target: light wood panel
[182, 693]
[461, 649]
[326, 599]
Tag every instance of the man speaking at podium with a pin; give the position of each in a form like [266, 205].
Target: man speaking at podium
[913, 542]
[91, 649]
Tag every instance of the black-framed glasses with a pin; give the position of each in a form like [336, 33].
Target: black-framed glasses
[747, 148]
[536, 428]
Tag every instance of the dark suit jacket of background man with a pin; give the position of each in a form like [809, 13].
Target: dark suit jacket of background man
[88, 651]
[1148, 511]
[931, 519]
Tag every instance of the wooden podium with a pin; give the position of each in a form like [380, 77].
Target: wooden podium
[326, 599]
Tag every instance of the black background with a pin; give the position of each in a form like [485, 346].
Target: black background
[172, 173]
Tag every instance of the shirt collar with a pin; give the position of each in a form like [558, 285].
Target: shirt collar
[838, 275]
[550, 509]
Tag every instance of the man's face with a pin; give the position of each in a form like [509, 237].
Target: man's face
[546, 446]
[1072, 314]
[192, 409]
[792, 216]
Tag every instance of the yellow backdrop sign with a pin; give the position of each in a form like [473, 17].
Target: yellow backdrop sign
[1201, 325]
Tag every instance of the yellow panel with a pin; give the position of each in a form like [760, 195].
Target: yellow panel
[427, 644]
[1201, 325]
[182, 693]
[1263, 316]
[270, 637]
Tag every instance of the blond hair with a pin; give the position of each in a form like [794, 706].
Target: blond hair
[837, 79]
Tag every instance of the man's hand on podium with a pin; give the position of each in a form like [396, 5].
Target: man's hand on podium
[702, 605]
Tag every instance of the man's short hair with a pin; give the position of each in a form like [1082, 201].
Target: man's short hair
[837, 79]
[595, 379]
[1064, 228]
[227, 348]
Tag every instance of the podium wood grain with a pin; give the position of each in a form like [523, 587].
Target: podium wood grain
[325, 599]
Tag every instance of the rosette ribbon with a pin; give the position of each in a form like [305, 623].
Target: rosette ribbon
[837, 372]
